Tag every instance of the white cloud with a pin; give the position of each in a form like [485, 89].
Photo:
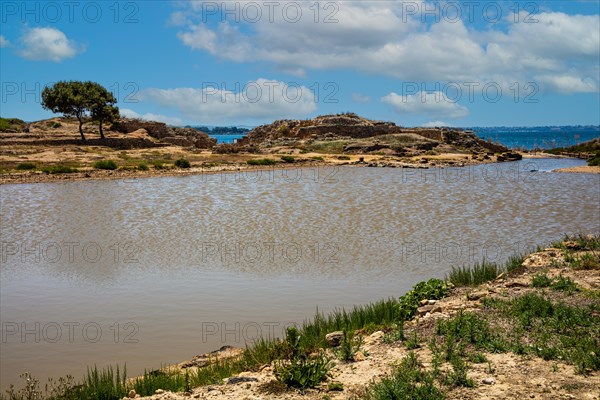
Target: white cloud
[432, 104]
[128, 113]
[568, 83]
[566, 47]
[360, 98]
[255, 100]
[434, 124]
[4, 41]
[47, 44]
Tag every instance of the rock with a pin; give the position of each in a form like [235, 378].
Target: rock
[424, 302]
[500, 277]
[131, 394]
[516, 284]
[159, 391]
[488, 381]
[240, 379]
[430, 308]
[477, 295]
[375, 336]
[359, 356]
[334, 338]
[432, 302]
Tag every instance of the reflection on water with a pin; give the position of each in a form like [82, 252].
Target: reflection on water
[157, 270]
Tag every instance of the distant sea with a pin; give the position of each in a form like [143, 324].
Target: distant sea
[538, 137]
[542, 137]
[226, 138]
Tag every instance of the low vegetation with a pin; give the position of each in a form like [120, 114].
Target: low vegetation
[261, 161]
[106, 164]
[183, 163]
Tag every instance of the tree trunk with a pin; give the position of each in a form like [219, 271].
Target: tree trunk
[81, 129]
[101, 132]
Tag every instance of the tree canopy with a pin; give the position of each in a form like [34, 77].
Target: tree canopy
[78, 99]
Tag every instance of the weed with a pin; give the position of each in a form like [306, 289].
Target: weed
[408, 382]
[541, 280]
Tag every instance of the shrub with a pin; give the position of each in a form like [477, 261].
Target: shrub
[261, 161]
[432, 289]
[288, 159]
[26, 166]
[58, 169]
[595, 161]
[105, 164]
[182, 163]
[143, 167]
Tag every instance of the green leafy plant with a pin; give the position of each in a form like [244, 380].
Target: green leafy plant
[301, 371]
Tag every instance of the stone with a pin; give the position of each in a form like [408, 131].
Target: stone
[131, 394]
[159, 391]
[334, 338]
[431, 302]
[430, 308]
[240, 379]
[359, 356]
[476, 295]
[423, 302]
[488, 381]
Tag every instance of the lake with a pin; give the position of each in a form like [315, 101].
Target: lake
[157, 270]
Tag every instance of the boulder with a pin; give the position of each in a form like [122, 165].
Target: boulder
[334, 338]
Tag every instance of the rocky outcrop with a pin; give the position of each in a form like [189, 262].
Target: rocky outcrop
[187, 137]
[364, 135]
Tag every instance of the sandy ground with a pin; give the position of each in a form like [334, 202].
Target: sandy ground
[584, 169]
[514, 376]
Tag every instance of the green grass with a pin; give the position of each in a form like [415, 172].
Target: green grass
[261, 161]
[26, 166]
[59, 169]
[409, 381]
[105, 164]
[475, 275]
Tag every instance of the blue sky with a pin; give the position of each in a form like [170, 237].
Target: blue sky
[467, 63]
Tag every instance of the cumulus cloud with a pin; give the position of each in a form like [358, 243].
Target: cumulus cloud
[254, 100]
[402, 46]
[4, 41]
[47, 44]
[431, 104]
[128, 113]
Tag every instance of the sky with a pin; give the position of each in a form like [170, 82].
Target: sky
[245, 63]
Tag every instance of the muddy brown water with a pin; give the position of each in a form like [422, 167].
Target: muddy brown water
[157, 270]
